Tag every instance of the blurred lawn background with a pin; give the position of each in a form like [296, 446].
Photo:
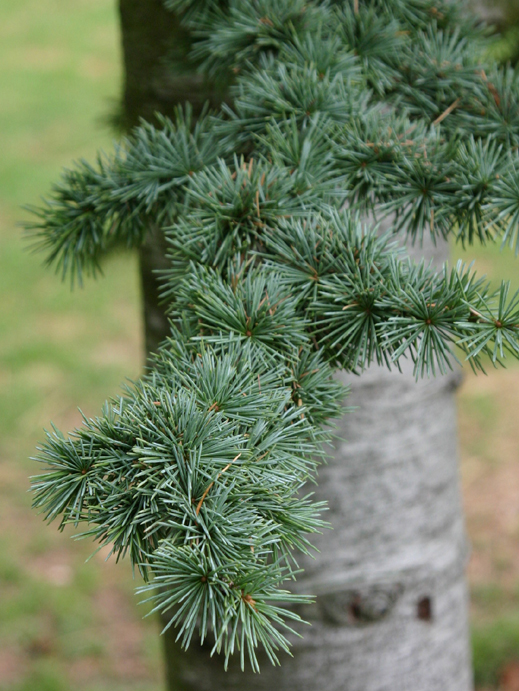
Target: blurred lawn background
[64, 624]
[69, 625]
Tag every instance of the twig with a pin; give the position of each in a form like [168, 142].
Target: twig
[475, 313]
[258, 204]
[208, 489]
[447, 112]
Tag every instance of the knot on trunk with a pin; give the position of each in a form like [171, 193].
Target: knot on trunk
[360, 606]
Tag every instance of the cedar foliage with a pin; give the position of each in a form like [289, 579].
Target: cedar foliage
[338, 112]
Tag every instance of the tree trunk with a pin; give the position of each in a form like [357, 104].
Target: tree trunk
[157, 78]
[158, 75]
[391, 610]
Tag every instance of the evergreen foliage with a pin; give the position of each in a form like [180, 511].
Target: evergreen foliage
[339, 112]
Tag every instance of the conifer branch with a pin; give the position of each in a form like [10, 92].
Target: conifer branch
[340, 111]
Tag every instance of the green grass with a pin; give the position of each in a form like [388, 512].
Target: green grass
[65, 624]
[495, 645]
[60, 619]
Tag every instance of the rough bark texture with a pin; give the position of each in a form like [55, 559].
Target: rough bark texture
[391, 611]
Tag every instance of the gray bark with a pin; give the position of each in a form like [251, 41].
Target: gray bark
[492, 13]
[391, 610]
